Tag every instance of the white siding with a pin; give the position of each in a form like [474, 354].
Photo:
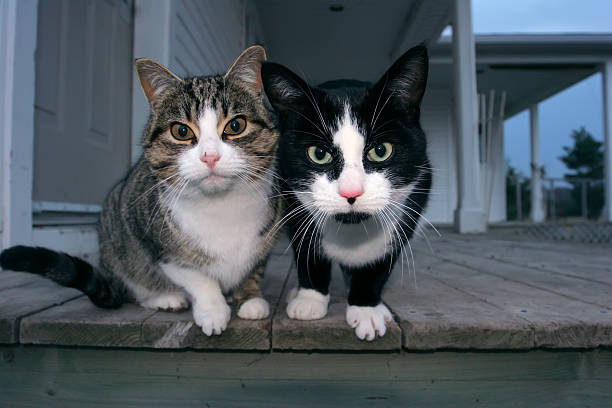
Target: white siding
[436, 121]
[207, 36]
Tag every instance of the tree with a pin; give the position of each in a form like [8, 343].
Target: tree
[585, 160]
[514, 177]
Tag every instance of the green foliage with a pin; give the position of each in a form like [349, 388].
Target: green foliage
[524, 183]
[585, 160]
[585, 157]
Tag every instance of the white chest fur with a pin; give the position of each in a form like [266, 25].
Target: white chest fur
[226, 226]
[355, 244]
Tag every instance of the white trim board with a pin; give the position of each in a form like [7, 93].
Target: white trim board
[18, 28]
[40, 206]
[81, 241]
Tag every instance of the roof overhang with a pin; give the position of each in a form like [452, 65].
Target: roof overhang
[359, 42]
[530, 68]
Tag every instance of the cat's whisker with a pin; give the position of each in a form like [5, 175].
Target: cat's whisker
[381, 109]
[288, 216]
[172, 203]
[419, 214]
[316, 106]
[150, 190]
[250, 183]
[308, 119]
[400, 224]
[415, 230]
[378, 101]
[318, 136]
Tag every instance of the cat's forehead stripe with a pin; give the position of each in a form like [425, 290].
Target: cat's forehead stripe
[208, 122]
[349, 139]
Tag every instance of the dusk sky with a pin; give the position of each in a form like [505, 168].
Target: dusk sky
[580, 105]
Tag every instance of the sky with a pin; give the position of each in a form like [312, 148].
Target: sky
[579, 105]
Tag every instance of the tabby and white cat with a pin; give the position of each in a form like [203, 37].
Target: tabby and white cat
[192, 218]
[356, 177]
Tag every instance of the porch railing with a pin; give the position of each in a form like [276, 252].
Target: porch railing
[563, 198]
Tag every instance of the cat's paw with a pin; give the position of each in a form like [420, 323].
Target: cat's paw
[167, 301]
[212, 318]
[308, 304]
[368, 321]
[254, 309]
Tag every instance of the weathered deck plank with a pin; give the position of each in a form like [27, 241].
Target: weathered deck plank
[23, 300]
[575, 288]
[81, 323]
[557, 321]
[565, 261]
[471, 292]
[177, 330]
[10, 279]
[434, 315]
[330, 333]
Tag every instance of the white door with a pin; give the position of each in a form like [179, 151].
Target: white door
[83, 99]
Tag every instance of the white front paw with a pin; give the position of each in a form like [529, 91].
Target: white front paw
[166, 301]
[308, 304]
[368, 321]
[253, 309]
[212, 318]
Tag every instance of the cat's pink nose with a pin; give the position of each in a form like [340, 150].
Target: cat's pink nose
[351, 194]
[210, 159]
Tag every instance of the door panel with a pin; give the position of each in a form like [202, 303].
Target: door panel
[83, 94]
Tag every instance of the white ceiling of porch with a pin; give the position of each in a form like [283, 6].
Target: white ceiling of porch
[359, 42]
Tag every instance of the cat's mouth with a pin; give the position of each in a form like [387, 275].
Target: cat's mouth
[215, 182]
[351, 217]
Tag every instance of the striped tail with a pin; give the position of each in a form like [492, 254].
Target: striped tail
[103, 289]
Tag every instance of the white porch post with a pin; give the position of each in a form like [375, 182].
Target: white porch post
[537, 209]
[470, 214]
[607, 102]
[18, 25]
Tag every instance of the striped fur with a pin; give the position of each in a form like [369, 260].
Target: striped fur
[140, 229]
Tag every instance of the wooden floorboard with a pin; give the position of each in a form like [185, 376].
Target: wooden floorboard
[570, 262]
[79, 322]
[330, 333]
[572, 287]
[483, 291]
[557, 321]
[24, 300]
[434, 315]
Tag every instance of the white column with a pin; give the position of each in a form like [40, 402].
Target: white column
[18, 25]
[470, 214]
[537, 207]
[607, 102]
[152, 37]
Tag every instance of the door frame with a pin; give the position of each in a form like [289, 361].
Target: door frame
[18, 34]
[18, 25]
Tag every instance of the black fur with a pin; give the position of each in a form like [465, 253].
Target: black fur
[103, 290]
[395, 103]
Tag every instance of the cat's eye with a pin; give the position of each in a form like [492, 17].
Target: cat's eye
[381, 152]
[182, 132]
[234, 127]
[318, 155]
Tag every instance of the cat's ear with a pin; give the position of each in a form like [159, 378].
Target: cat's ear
[283, 88]
[154, 78]
[407, 77]
[247, 67]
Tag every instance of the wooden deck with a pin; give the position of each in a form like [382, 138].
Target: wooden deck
[517, 299]
[469, 292]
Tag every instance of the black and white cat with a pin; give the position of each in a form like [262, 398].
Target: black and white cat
[357, 177]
